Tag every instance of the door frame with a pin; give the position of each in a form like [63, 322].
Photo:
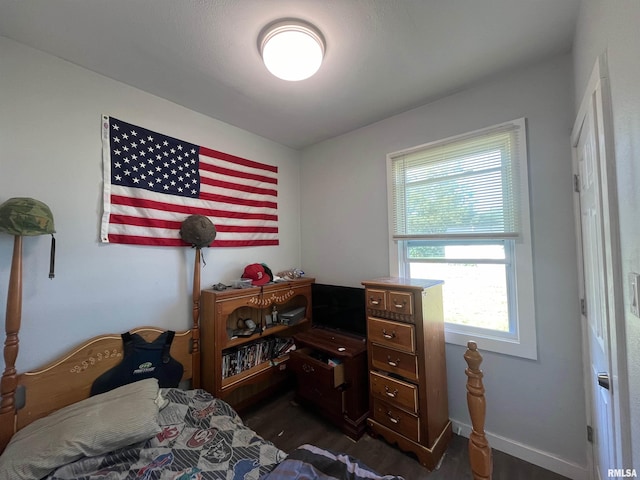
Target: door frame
[598, 87]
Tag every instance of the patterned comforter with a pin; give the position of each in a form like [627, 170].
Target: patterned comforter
[202, 438]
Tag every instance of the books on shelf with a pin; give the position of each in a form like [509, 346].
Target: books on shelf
[239, 359]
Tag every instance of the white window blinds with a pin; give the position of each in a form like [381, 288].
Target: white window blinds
[465, 187]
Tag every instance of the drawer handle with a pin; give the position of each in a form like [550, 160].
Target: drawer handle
[389, 393]
[374, 302]
[307, 368]
[399, 305]
[391, 362]
[393, 419]
[388, 336]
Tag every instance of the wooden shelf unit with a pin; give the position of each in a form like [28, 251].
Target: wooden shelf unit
[407, 366]
[220, 313]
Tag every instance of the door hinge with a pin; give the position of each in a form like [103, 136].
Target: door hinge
[576, 183]
[589, 433]
[583, 306]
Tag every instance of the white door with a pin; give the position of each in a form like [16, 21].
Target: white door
[595, 288]
[599, 259]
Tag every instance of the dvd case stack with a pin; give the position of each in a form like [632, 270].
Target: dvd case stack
[237, 360]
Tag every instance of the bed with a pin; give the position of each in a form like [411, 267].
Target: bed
[196, 436]
[141, 430]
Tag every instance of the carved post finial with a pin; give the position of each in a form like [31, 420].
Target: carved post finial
[479, 449]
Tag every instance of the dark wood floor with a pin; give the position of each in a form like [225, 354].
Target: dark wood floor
[282, 421]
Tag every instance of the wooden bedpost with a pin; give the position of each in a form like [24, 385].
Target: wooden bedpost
[195, 328]
[9, 381]
[479, 449]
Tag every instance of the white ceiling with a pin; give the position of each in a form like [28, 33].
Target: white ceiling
[383, 57]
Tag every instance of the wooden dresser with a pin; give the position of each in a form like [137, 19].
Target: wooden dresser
[407, 366]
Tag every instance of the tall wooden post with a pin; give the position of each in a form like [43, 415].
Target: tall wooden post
[479, 449]
[9, 381]
[195, 328]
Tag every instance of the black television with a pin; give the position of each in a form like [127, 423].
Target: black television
[339, 308]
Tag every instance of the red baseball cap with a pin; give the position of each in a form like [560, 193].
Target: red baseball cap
[257, 274]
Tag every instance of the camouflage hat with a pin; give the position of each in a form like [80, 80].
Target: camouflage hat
[198, 231]
[26, 216]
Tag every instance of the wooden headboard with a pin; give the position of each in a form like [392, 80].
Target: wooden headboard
[68, 379]
[76, 372]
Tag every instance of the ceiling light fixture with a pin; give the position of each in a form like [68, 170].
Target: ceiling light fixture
[291, 49]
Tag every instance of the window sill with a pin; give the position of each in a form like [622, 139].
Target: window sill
[489, 343]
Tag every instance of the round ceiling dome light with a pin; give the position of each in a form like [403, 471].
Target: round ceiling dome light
[291, 49]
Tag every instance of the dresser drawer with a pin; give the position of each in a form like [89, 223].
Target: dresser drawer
[376, 299]
[400, 302]
[394, 361]
[396, 419]
[392, 334]
[396, 392]
[329, 400]
[311, 371]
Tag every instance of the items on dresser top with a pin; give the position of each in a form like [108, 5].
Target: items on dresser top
[291, 317]
[407, 370]
[257, 273]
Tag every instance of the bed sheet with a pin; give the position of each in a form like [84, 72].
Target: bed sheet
[309, 462]
[201, 438]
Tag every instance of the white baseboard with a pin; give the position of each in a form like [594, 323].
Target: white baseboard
[527, 453]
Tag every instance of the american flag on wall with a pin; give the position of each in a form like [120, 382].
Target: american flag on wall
[153, 182]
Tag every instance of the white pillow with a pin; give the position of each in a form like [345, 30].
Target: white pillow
[91, 427]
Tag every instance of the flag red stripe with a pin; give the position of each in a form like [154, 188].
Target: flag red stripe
[175, 225]
[237, 186]
[144, 222]
[139, 240]
[236, 173]
[237, 201]
[171, 242]
[243, 243]
[239, 160]
[239, 228]
[187, 210]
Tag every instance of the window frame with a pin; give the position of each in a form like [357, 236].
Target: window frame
[523, 341]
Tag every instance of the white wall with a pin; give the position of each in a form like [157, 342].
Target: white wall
[612, 27]
[50, 149]
[535, 408]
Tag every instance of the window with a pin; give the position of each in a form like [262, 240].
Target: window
[459, 212]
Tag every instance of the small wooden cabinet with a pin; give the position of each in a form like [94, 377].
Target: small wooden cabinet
[331, 374]
[407, 366]
[244, 369]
